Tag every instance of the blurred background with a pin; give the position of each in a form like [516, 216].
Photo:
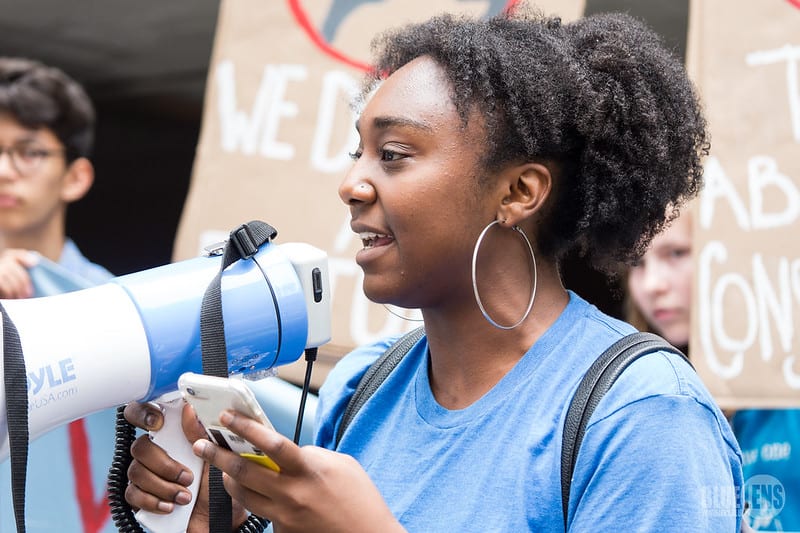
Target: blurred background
[144, 64]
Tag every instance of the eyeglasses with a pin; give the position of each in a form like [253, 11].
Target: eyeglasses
[26, 159]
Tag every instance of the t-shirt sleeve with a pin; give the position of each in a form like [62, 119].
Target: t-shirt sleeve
[339, 386]
[657, 462]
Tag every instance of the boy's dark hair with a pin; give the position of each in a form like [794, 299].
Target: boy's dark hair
[38, 96]
[600, 101]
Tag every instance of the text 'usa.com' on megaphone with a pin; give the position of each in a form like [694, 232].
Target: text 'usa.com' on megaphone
[132, 338]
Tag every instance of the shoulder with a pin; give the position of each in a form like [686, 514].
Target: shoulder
[349, 369]
[660, 410]
[660, 373]
[660, 401]
[653, 374]
[73, 260]
[341, 383]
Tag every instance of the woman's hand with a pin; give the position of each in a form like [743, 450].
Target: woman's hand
[157, 482]
[315, 490]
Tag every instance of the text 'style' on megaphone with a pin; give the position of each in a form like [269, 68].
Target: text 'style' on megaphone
[132, 338]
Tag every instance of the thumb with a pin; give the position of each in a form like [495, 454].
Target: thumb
[192, 427]
[25, 258]
[28, 258]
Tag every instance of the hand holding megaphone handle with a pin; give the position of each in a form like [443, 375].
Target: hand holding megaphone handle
[171, 439]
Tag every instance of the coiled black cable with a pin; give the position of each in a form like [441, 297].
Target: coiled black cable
[121, 511]
[253, 524]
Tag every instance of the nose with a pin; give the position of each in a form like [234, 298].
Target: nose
[7, 168]
[654, 277]
[356, 189]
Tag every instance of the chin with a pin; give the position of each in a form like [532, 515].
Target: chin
[376, 293]
[678, 339]
[386, 296]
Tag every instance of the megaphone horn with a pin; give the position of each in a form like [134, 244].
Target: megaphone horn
[131, 338]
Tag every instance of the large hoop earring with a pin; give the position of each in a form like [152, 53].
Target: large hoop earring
[475, 282]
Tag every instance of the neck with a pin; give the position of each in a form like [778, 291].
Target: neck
[469, 355]
[47, 240]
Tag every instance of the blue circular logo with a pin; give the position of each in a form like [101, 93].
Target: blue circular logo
[765, 497]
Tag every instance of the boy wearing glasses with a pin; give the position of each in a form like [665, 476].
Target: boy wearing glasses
[46, 136]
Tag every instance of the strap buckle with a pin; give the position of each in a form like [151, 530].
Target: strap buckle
[212, 250]
[244, 242]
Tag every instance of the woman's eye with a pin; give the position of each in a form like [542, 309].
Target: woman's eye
[678, 253]
[355, 156]
[390, 155]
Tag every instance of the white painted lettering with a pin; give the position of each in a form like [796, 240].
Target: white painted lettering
[337, 88]
[710, 311]
[719, 187]
[775, 304]
[276, 81]
[762, 172]
[790, 55]
[240, 131]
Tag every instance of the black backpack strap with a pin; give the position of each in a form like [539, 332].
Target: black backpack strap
[16, 382]
[375, 375]
[244, 242]
[595, 383]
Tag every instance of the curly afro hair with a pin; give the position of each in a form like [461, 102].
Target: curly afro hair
[601, 101]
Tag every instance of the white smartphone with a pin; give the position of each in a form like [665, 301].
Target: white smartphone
[209, 396]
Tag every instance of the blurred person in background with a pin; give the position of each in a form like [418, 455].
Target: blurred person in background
[46, 136]
[659, 288]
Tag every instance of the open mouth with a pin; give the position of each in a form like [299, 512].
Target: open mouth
[371, 240]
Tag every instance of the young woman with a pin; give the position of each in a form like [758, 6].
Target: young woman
[660, 284]
[489, 149]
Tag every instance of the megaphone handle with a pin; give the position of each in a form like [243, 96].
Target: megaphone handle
[171, 438]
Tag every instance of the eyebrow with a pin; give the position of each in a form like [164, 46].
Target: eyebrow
[28, 137]
[383, 123]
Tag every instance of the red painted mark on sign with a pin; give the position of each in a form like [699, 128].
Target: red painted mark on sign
[307, 26]
[305, 23]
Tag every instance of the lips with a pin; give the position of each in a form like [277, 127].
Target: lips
[372, 240]
[8, 201]
[665, 315]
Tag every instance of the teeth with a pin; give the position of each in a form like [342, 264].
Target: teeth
[368, 237]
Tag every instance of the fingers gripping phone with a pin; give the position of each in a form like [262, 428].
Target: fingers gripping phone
[209, 396]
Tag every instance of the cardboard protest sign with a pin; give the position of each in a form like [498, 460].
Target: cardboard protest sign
[278, 127]
[746, 315]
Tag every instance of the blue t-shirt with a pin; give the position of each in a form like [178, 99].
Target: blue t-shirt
[68, 466]
[658, 455]
[770, 442]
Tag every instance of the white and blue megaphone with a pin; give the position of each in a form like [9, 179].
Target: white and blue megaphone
[132, 338]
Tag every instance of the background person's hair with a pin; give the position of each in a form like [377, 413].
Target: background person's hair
[631, 312]
[601, 101]
[39, 96]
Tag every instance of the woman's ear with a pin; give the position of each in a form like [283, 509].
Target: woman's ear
[529, 186]
[78, 180]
